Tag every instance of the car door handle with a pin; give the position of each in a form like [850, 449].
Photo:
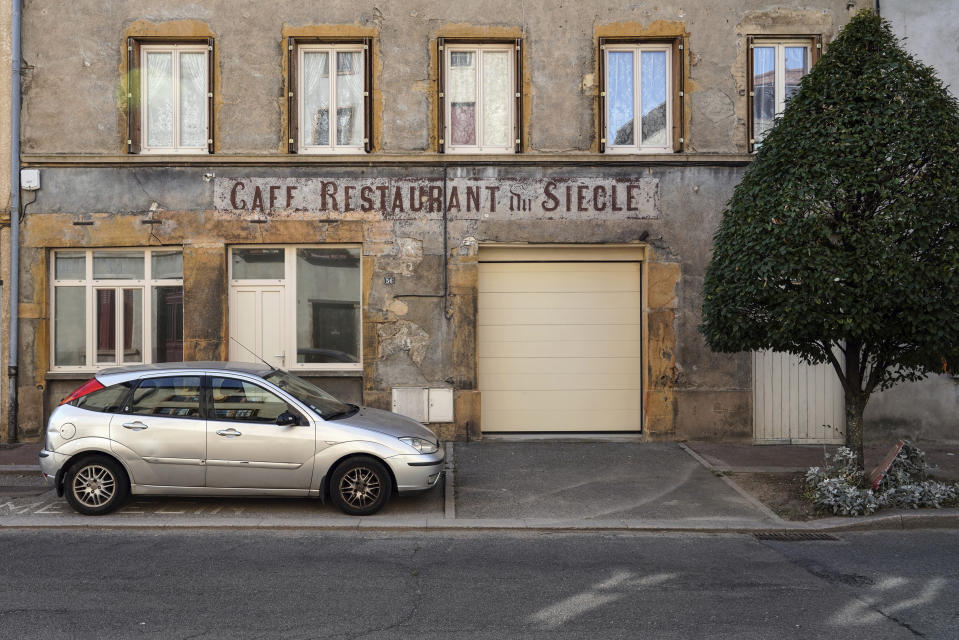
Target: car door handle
[134, 426]
[229, 433]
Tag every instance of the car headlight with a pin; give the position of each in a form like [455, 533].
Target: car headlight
[421, 445]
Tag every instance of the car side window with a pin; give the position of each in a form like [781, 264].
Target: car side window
[108, 400]
[242, 401]
[175, 396]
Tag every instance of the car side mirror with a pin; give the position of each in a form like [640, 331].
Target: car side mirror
[287, 419]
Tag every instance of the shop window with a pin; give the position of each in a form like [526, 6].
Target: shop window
[329, 112]
[296, 306]
[776, 65]
[117, 306]
[641, 98]
[170, 96]
[480, 96]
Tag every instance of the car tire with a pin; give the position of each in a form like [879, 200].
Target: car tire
[96, 485]
[360, 486]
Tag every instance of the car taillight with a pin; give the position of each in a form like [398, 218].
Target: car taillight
[88, 387]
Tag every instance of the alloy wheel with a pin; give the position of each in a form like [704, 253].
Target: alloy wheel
[94, 486]
[360, 487]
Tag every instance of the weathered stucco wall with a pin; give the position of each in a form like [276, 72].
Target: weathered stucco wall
[412, 334]
[926, 411]
[928, 31]
[5, 73]
[73, 43]
[415, 331]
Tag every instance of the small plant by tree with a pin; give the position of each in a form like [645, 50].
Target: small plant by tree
[838, 486]
[841, 242]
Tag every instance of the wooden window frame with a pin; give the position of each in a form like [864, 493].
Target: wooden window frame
[676, 96]
[813, 41]
[444, 49]
[294, 97]
[136, 138]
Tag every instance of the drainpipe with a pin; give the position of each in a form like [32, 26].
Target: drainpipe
[14, 221]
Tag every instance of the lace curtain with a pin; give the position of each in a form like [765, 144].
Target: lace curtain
[620, 97]
[193, 72]
[159, 99]
[316, 97]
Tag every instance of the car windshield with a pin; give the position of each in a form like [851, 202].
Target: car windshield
[313, 397]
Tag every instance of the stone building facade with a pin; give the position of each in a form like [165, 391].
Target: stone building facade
[466, 206]
[5, 91]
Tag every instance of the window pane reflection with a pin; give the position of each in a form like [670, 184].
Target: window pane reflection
[167, 265]
[105, 323]
[167, 324]
[349, 98]
[653, 98]
[243, 401]
[118, 265]
[764, 91]
[257, 264]
[328, 305]
[620, 97]
[796, 68]
[193, 71]
[496, 98]
[316, 97]
[174, 397]
[70, 326]
[70, 265]
[159, 97]
[132, 325]
[462, 97]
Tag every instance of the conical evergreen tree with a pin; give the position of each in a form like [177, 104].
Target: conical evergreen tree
[841, 242]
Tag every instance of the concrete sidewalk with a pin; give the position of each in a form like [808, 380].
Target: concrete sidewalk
[502, 485]
[740, 458]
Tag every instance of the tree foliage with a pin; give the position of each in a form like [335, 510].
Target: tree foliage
[846, 225]
[843, 235]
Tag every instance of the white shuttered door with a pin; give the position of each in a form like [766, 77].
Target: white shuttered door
[559, 346]
[256, 324]
[795, 403]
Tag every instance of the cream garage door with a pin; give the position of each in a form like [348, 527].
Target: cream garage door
[559, 346]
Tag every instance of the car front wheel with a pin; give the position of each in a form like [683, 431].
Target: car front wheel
[360, 486]
[96, 485]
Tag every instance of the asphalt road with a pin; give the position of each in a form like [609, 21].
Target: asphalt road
[69, 583]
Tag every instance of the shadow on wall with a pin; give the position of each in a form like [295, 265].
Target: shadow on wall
[926, 411]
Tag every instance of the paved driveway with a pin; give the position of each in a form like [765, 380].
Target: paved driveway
[594, 481]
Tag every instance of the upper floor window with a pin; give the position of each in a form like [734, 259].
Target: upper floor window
[480, 96]
[117, 306]
[170, 96]
[641, 95]
[776, 66]
[329, 96]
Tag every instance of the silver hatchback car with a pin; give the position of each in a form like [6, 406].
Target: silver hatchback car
[229, 429]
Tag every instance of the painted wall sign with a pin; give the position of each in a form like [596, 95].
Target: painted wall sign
[412, 198]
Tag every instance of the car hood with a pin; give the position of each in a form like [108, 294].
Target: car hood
[392, 424]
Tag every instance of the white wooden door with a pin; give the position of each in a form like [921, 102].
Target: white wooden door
[795, 403]
[559, 346]
[257, 324]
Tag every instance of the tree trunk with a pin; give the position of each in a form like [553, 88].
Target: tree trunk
[855, 404]
[855, 399]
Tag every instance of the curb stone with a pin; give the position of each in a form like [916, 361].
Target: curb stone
[896, 521]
